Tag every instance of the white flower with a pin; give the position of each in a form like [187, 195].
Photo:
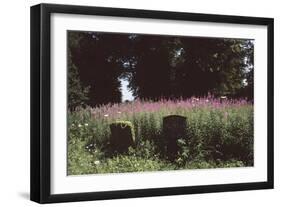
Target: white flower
[97, 162]
[86, 124]
[106, 115]
[119, 112]
[79, 125]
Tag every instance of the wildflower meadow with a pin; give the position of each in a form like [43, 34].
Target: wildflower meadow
[219, 134]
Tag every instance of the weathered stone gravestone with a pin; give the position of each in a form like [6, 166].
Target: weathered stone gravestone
[122, 136]
[174, 128]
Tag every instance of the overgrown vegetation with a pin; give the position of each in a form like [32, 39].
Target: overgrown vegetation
[219, 134]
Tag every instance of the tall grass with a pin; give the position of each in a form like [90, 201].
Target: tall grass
[219, 134]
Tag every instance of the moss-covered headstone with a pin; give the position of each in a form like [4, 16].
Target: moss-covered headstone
[174, 128]
[122, 136]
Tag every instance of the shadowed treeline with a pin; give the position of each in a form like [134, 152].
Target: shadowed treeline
[156, 67]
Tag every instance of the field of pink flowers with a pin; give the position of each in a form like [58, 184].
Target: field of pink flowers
[219, 134]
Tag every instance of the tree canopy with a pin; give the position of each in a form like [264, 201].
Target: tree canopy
[158, 66]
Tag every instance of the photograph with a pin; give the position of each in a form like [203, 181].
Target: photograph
[153, 102]
[129, 103]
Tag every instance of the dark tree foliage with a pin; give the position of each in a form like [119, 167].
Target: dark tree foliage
[173, 67]
[100, 65]
[77, 93]
[213, 65]
[163, 66]
[150, 77]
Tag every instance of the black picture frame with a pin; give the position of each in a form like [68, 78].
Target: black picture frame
[41, 96]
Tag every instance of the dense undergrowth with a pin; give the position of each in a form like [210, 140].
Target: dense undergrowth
[219, 134]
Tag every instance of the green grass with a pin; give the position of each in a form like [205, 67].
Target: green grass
[216, 137]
